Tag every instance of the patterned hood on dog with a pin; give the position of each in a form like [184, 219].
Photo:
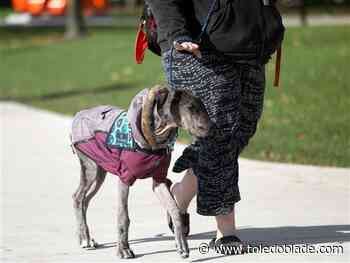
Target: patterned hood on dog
[134, 116]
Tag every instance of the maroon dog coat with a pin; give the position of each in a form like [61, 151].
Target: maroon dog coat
[90, 130]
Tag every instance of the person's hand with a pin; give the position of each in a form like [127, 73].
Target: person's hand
[189, 47]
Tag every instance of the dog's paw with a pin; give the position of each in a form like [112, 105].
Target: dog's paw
[125, 252]
[182, 248]
[86, 244]
[183, 253]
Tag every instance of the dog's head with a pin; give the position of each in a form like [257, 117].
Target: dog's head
[164, 110]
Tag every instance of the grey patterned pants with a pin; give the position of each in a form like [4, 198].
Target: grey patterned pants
[233, 95]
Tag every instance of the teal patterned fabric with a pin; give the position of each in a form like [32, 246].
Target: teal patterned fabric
[120, 135]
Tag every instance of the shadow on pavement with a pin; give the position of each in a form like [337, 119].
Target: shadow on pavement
[268, 236]
[288, 235]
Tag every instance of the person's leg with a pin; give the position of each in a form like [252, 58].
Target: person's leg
[252, 100]
[252, 97]
[217, 84]
[226, 225]
[185, 190]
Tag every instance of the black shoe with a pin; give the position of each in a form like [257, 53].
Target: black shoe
[187, 160]
[228, 245]
[185, 218]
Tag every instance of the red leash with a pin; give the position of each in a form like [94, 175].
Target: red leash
[140, 44]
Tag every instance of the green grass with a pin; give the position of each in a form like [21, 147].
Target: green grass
[304, 121]
[44, 70]
[4, 11]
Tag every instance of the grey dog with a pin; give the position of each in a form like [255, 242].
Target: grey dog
[153, 117]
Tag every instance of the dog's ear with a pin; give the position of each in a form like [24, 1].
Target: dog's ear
[174, 104]
[188, 102]
[161, 97]
[163, 117]
[159, 107]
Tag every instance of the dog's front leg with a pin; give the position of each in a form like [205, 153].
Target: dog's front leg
[123, 222]
[168, 202]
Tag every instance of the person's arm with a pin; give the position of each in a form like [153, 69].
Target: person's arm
[171, 21]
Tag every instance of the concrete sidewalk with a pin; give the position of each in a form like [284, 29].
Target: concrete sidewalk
[281, 204]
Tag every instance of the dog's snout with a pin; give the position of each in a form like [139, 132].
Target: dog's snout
[205, 123]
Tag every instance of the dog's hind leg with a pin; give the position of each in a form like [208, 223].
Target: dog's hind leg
[100, 178]
[91, 179]
[162, 192]
[123, 221]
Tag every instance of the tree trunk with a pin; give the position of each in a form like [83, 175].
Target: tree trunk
[75, 24]
[303, 13]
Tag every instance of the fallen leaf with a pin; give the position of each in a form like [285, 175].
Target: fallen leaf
[300, 136]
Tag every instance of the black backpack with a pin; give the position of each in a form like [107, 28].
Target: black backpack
[273, 29]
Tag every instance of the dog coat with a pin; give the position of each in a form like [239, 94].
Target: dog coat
[113, 139]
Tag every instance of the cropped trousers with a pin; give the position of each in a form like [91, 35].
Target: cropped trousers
[233, 95]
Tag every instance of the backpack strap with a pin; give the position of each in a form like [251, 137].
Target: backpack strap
[278, 67]
[276, 81]
[206, 21]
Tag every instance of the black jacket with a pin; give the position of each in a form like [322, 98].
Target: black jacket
[234, 27]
